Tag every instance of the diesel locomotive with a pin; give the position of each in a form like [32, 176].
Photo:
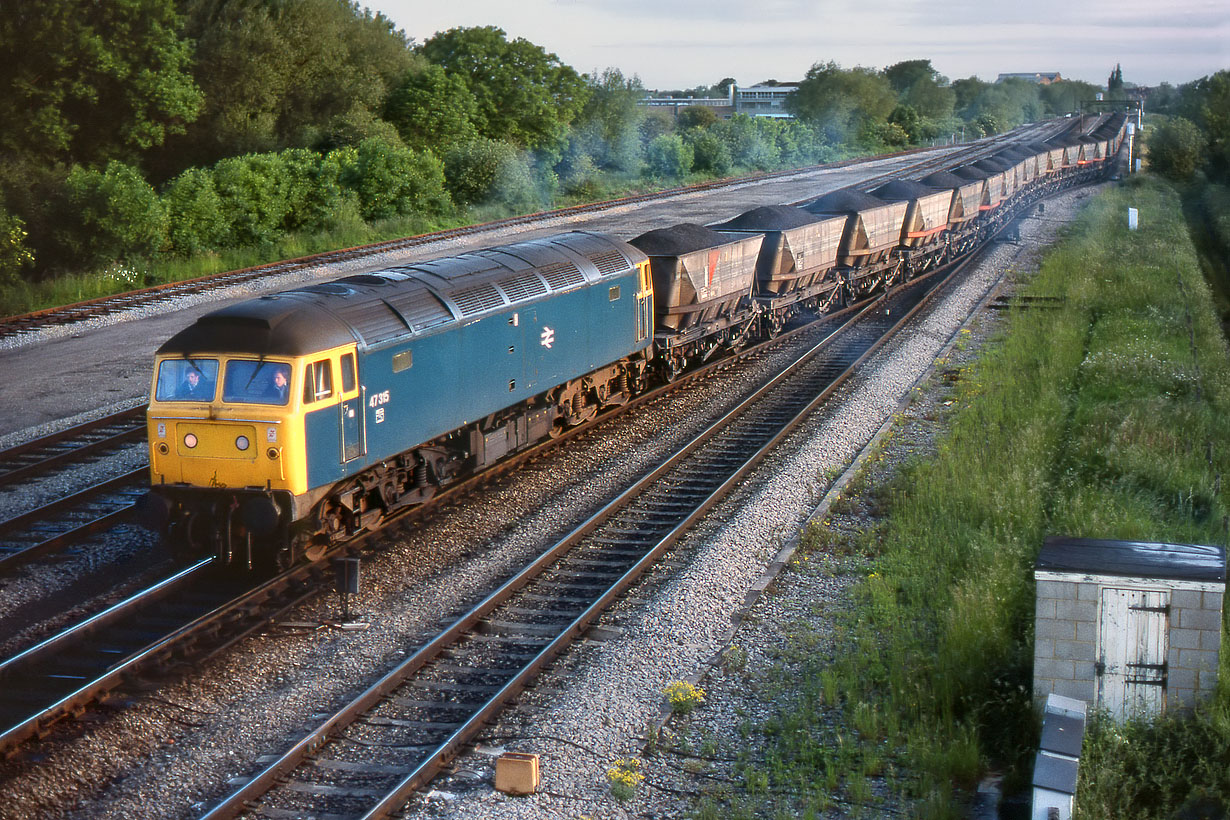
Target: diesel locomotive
[285, 423]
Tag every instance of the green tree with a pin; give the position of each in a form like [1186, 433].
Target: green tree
[696, 116]
[906, 118]
[490, 172]
[1004, 105]
[842, 102]
[1176, 148]
[85, 82]
[1114, 84]
[607, 129]
[432, 110]
[655, 122]
[524, 94]
[750, 147]
[966, 91]
[392, 180]
[1065, 96]
[709, 154]
[668, 157]
[1206, 102]
[252, 196]
[285, 74]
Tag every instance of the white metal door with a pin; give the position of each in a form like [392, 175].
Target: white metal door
[1132, 651]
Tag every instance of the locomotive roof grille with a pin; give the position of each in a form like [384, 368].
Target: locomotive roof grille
[522, 286]
[612, 262]
[477, 299]
[560, 275]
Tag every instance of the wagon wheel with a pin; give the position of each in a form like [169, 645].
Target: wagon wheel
[670, 371]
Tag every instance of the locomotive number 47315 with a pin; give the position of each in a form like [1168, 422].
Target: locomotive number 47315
[377, 399]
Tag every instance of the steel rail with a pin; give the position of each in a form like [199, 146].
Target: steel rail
[198, 602]
[46, 453]
[52, 527]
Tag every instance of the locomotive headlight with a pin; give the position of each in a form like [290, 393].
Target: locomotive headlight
[163, 449]
[272, 452]
[241, 443]
[190, 440]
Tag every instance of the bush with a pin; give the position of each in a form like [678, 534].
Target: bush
[253, 195]
[194, 210]
[668, 156]
[396, 181]
[14, 255]
[710, 154]
[1176, 148]
[696, 116]
[114, 214]
[749, 146]
[492, 172]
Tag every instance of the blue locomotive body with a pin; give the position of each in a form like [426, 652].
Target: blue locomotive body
[392, 384]
[482, 343]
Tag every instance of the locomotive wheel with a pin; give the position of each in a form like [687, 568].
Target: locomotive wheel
[314, 550]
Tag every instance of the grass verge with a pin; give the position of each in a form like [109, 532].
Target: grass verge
[1106, 418]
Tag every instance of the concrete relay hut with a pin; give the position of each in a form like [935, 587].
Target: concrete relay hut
[1131, 627]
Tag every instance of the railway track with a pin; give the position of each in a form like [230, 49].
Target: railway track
[59, 524]
[195, 612]
[91, 440]
[209, 623]
[141, 633]
[369, 757]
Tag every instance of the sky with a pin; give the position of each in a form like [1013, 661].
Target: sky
[675, 44]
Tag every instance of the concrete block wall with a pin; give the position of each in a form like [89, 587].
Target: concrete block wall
[1065, 647]
[1195, 646]
[1065, 631]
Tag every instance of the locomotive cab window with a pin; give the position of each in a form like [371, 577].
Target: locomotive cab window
[348, 379]
[187, 380]
[254, 382]
[317, 381]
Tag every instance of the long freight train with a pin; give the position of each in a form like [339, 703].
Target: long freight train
[282, 424]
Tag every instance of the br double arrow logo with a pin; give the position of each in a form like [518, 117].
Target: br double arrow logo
[548, 337]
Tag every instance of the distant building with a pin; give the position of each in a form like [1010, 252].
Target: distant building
[763, 100]
[755, 101]
[722, 106]
[1039, 77]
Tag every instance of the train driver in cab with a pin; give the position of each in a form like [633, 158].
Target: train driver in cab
[279, 386]
[196, 388]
